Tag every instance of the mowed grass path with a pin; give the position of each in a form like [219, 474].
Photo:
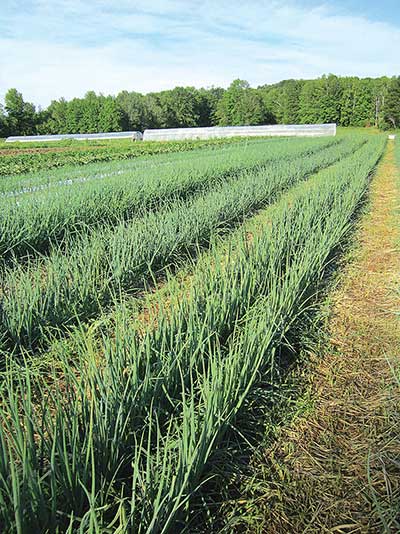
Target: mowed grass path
[342, 461]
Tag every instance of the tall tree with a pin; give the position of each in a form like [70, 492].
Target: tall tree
[110, 115]
[90, 106]
[320, 100]
[348, 101]
[21, 115]
[272, 96]
[251, 109]
[180, 107]
[134, 110]
[240, 105]
[228, 106]
[56, 121]
[208, 103]
[155, 117]
[309, 108]
[3, 123]
[363, 112]
[291, 101]
[74, 115]
[391, 109]
[380, 89]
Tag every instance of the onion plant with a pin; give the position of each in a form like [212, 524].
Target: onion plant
[32, 223]
[124, 439]
[74, 283]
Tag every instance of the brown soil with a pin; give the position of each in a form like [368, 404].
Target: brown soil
[335, 460]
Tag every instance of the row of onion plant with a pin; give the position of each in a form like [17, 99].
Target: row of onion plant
[125, 438]
[74, 283]
[33, 223]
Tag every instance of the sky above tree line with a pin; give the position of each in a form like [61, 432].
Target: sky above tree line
[55, 48]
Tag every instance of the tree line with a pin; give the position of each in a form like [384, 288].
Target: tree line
[348, 101]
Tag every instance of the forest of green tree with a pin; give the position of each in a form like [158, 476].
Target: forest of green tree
[348, 101]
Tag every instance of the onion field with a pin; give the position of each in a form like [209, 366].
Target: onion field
[141, 303]
[19, 158]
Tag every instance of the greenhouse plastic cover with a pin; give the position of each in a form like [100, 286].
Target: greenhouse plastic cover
[284, 130]
[79, 137]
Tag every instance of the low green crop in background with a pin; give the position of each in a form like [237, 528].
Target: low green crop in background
[75, 154]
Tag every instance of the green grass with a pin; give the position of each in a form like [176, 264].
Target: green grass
[124, 439]
[397, 152]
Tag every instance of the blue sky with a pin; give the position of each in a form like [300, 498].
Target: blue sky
[375, 10]
[54, 48]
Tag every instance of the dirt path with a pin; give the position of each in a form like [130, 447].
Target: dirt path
[337, 459]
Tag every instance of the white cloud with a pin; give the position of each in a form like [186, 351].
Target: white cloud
[66, 47]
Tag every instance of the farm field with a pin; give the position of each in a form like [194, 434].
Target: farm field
[147, 296]
[19, 158]
[65, 268]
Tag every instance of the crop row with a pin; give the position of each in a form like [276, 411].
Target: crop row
[127, 439]
[75, 282]
[23, 163]
[22, 184]
[17, 146]
[32, 223]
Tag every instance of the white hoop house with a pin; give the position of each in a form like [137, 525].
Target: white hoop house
[79, 137]
[283, 130]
